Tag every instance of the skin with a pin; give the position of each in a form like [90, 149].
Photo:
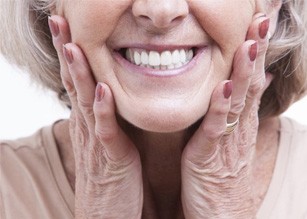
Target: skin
[112, 140]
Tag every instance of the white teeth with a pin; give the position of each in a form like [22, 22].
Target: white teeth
[183, 56]
[171, 66]
[137, 58]
[154, 58]
[144, 58]
[190, 55]
[165, 60]
[178, 65]
[176, 57]
[128, 55]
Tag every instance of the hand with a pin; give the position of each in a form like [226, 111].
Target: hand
[108, 168]
[216, 168]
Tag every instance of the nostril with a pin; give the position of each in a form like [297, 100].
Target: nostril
[144, 17]
[160, 13]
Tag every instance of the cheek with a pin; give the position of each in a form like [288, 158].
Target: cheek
[92, 22]
[226, 22]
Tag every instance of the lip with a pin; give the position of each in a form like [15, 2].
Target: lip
[157, 72]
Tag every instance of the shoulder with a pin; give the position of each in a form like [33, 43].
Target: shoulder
[292, 126]
[21, 151]
[292, 168]
[29, 187]
[29, 143]
[293, 137]
[293, 144]
[19, 156]
[287, 193]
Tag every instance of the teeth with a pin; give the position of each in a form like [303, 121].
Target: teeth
[176, 57]
[144, 58]
[137, 58]
[154, 58]
[183, 56]
[165, 60]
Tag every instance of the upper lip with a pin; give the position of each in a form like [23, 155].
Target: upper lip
[158, 48]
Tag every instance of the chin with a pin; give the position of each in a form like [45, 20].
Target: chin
[163, 121]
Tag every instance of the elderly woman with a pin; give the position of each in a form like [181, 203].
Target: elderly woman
[174, 109]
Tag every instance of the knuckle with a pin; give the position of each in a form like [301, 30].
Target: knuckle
[236, 108]
[80, 75]
[257, 87]
[212, 134]
[102, 113]
[220, 110]
[85, 106]
[72, 93]
[106, 135]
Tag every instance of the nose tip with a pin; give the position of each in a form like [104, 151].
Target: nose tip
[160, 13]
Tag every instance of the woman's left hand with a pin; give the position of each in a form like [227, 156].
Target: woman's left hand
[216, 166]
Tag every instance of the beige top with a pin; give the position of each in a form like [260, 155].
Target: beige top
[33, 184]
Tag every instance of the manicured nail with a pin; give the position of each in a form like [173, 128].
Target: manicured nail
[253, 51]
[264, 27]
[99, 92]
[68, 55]
[227, 89]
[53, 26]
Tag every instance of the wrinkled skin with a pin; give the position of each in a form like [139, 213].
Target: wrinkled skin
[216, 170]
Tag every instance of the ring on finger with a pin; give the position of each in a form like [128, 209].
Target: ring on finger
[230, 127]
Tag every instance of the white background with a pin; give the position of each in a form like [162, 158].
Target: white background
[24, 107]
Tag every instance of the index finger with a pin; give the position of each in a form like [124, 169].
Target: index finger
[59, 29]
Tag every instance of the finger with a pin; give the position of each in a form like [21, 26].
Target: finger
[116, 144]
[258, 31]
[203, 144]
[83, 82]
[60, 36]
[243, 69]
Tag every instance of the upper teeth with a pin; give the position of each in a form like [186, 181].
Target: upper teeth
[163, 60]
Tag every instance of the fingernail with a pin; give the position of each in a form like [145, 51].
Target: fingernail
[253, 50]
[99, 92]
[227, 89]
[264, 27]
[68, 55]
[53, 26]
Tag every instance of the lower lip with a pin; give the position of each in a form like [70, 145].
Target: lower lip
[157, 72]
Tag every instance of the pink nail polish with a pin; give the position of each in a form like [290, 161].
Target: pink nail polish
[68, 55]
[227, 89]
[264, 27]
[253, 51]
[99, 92]
[53, 26]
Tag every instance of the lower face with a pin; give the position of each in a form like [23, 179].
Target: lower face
[153, 89]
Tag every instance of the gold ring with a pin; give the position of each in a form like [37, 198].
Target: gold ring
[231, 126]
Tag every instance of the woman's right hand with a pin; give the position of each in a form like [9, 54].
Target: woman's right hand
[108, 167]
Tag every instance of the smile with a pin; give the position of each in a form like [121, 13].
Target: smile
[165, 60]
[159, 60]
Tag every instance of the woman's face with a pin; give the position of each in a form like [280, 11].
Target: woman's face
[161, 87]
